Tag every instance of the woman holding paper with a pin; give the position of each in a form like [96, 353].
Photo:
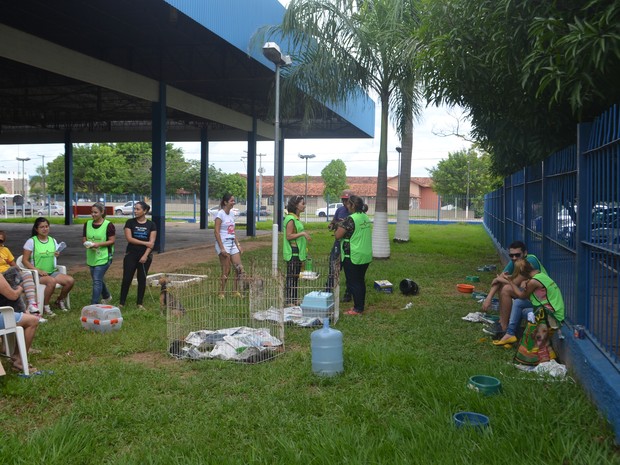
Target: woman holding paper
[40, 252]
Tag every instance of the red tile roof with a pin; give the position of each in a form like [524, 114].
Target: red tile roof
[365, 186]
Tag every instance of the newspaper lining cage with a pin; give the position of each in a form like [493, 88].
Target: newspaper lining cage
[246, 325]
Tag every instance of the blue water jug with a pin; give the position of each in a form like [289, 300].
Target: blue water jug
[326, 343]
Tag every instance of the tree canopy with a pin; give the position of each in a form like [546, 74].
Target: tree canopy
[335, 180]
[465, 168]
[526, 71]
[126, 168]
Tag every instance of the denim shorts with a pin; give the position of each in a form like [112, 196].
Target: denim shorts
[18, 318]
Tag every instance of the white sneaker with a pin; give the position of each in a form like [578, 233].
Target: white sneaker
[106, 301]
[48, 311]
[41, 319]
[34, 309]
[61, 304]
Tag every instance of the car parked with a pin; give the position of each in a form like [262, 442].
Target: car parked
[213, 211]
[260, 213]
[55, 210]
[125, 209]
[329, 210]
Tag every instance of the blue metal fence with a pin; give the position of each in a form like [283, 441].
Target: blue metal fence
[577, 236]
[567, 210]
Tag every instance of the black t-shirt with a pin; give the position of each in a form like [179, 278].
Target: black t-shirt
[141, 232]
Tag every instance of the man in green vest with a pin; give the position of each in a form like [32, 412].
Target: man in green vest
[516, 251]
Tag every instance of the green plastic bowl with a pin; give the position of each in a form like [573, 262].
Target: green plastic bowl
[485, 384]
[473, 279]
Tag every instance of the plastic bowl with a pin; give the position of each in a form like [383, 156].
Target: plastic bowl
[485, 384]
[465, 288]
[470, 419]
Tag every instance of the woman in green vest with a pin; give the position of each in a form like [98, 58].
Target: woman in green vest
[294, 247]
[355, 235]
[98, 237]
[543, 318]
[40, 252]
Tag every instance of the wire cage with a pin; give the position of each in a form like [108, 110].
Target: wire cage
[240, 321]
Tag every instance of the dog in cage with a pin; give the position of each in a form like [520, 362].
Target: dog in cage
[167, 300]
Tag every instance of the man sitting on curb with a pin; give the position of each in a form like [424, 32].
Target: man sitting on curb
[516, 250]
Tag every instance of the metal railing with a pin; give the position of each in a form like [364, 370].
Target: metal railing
[567, 210]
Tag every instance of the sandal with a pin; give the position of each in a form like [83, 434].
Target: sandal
[17, 369]
[353, 312]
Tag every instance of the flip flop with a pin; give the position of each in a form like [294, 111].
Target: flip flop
[36, 373]
[19, 369]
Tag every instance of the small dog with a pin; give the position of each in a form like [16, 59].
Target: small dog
[167, 300]
[13, 276]
[250, 284]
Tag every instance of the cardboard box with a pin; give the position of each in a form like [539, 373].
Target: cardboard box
[384, 286]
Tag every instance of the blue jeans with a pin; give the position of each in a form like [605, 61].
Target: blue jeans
[99, 287]
[520, 309]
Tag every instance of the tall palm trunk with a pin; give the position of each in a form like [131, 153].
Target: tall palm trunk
[404, 183]
[380, 237]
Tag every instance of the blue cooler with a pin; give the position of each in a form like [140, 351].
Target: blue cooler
[318, 304]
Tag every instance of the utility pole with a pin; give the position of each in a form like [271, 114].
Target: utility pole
[43, 176]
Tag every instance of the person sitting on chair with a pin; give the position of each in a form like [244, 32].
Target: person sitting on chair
[8, 297]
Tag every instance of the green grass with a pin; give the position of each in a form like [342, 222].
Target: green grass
[118, 399]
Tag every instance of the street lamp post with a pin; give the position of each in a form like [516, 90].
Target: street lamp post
[23, 160]
[272, 52]
[306, 157]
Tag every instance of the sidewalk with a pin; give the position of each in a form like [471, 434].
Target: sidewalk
[179, 236]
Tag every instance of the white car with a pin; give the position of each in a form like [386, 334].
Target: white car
[331, 208]
[55, 210]
[213, 211]
[126, 209]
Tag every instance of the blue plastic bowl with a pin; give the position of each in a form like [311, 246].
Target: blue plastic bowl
[470, 419]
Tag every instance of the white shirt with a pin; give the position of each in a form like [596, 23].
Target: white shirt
[227, 226]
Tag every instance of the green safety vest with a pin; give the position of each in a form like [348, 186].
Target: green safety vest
[44, 254]
[100, 255]
[360, 242]
[554, 296]
[302, 242]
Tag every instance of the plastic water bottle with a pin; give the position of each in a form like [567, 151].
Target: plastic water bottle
[326, 343]
[308, 264]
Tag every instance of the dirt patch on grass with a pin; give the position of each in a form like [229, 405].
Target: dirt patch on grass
[152, 359]
[178, 259]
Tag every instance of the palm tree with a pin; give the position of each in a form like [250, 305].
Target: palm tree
[341, 48]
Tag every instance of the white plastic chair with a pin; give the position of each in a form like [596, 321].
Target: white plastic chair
[41, 287]
[11, 331]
